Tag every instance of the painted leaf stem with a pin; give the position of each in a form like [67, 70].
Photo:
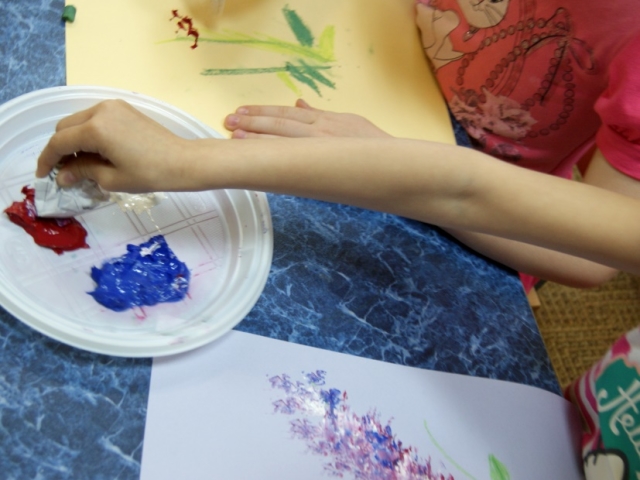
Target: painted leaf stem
[305, 61]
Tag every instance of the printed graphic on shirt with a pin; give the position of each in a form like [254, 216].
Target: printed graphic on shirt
[618, 399]
[605, 465]
[498, 61]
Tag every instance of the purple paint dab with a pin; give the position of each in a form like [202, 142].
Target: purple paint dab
[359, 446]
[148, 274]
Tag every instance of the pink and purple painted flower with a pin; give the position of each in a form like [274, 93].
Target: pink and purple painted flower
[359, 446]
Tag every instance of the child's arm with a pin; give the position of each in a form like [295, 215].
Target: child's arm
[259, 121]
[539, 262]
[553, 265]
[454, 187]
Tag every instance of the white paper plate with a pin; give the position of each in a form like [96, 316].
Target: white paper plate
[223, 236]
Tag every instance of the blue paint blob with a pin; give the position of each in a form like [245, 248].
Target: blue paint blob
[147, 274]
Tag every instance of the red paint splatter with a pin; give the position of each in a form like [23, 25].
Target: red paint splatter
[58, 234]
[139, 316]
[186, 23]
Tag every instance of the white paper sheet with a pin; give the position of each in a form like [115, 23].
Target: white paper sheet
[214, 413]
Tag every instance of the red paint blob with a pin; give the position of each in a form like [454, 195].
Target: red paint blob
[186, 23]
[58, 234]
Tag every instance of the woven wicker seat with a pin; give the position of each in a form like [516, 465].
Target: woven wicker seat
[578, 326]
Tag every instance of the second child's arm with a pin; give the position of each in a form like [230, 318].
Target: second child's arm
[553, 265]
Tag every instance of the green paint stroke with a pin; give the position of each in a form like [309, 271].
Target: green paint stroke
[306, 57]
[446, 455]
[323, 52]
[242, 71]
[497, 470]
[309, 75]
[304, 73]
[299, 29]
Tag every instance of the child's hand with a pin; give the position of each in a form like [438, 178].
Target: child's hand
[115, 145]
[300, 121]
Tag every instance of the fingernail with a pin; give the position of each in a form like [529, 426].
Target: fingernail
[242, 111]
[239, 134]
[232, 120]
[66, 178]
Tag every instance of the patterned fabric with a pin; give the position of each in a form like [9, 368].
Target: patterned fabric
[619, 136]
[523, 76]
[608, 398]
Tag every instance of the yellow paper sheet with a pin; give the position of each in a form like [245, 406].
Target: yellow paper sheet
[375, 68]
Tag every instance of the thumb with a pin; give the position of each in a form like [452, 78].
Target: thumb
[80, 168]
[66, 177]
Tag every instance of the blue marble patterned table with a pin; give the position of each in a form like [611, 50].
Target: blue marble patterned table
[343, 279]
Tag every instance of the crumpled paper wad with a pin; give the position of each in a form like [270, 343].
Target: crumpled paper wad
[54, 201]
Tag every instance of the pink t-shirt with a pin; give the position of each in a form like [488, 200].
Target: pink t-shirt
[619, 135]
[536, 83]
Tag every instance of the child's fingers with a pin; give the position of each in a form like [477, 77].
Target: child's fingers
[241, 134]
[297, 114]
[89, 166]
[63, 143]
[69, 138]
[301, 103]
[274, 126]
[75, 119]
